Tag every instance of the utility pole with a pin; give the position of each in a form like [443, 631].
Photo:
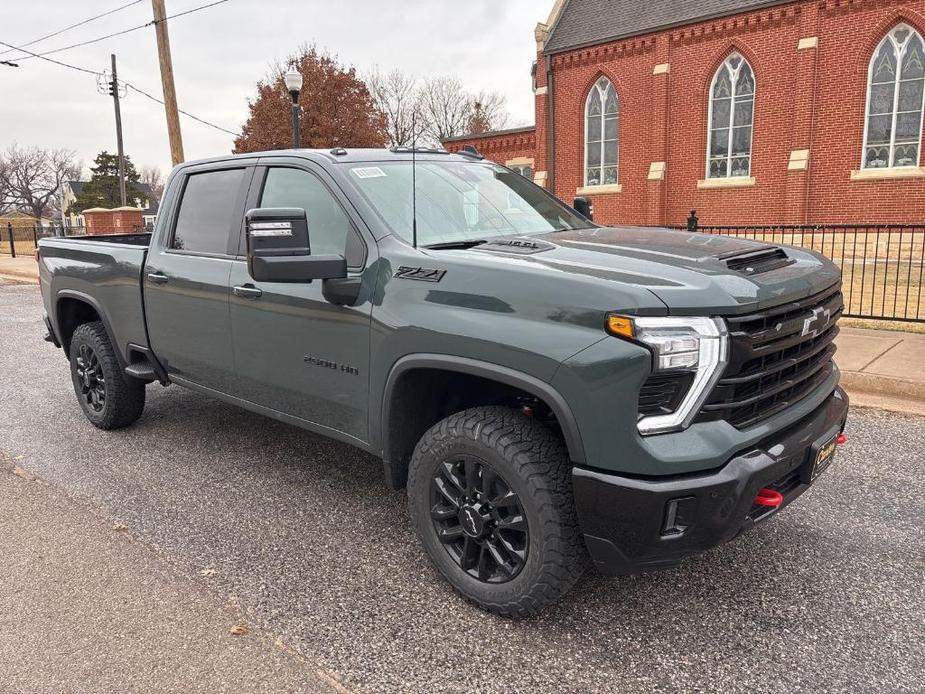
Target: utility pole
[114, 90]
[170, 94]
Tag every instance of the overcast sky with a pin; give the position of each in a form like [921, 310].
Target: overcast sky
[219, 53]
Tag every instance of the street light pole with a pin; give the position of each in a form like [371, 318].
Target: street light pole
[293, 80]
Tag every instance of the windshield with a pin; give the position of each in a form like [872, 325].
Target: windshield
[459, 202]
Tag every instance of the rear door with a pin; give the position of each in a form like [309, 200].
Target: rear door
[187, 272]
[296, 352]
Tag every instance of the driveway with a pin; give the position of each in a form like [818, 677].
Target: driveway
[826, 597]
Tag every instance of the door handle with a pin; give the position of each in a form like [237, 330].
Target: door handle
[157, 277]
[248, 291]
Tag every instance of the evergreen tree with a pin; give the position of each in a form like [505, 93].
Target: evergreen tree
[102, 190]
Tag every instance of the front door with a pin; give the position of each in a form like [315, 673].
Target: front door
[186, 278]
[296, 353]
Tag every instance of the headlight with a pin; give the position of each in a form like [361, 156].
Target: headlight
[682, 346]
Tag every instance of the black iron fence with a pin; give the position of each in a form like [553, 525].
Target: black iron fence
[22, 239]
[883, 265]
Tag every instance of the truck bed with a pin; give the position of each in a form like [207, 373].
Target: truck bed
[104, 271]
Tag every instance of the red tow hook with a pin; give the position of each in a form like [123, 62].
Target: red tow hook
[842, 439]
[769, 497]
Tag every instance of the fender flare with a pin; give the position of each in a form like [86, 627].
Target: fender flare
[493, 372]
[100, 311]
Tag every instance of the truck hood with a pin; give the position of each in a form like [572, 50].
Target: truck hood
[691, 273]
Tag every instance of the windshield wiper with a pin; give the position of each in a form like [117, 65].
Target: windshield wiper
[452, 245]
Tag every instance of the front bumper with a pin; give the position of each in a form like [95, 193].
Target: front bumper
[635, 524]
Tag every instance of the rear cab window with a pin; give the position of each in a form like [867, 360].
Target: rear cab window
[209, 215]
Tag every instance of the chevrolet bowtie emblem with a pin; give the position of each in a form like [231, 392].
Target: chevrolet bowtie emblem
[816, 323]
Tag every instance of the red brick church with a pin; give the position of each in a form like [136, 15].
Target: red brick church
[749, 111]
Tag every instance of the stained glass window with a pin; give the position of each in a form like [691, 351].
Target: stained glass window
[732, 107]
[896, 88]
[602, 134]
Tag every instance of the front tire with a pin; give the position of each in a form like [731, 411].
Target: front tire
[108, 398]
[489, 492]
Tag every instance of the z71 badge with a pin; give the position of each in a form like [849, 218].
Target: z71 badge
[422, 274]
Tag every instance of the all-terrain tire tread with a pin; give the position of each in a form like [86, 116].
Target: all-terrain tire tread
[125, 396]
[540, 458]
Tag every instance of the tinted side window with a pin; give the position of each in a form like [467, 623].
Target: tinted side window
[329, 226]
[208, 212]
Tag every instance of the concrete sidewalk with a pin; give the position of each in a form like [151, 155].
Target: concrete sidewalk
[84, 607]
[880, 368]
[22, 268]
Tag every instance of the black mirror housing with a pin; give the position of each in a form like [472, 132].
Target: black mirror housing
[278, 248]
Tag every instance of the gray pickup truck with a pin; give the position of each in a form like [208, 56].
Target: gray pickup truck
[551, 392]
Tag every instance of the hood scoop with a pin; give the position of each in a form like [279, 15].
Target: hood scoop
[517, 246]
[757, 261]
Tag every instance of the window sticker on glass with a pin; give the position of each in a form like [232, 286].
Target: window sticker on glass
[369, 172]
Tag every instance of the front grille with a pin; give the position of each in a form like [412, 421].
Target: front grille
[772, 363]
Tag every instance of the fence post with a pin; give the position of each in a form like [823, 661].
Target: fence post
[692, 221]
[35, 237]
[9, 232]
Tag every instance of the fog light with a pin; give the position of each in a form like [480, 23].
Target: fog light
[679, 516]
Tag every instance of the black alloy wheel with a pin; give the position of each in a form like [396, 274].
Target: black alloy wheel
[92, 381]
[479, 519]
[108, 397]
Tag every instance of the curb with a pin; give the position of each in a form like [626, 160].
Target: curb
[884, 392]
[883, 385]
[16, 277]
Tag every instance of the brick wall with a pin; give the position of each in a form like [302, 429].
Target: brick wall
[121, 220]
[517, 144]
[810, 60]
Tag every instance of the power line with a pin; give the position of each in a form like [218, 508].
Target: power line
[51, 60]
[74, 26]
[118, 33]
[185, 113]
[131, 86]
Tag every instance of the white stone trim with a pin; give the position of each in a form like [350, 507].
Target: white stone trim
[799, 160]
[599, 190]
[519, 161]
[891, 174]
[808, 42]
[657, 170]
[661, 69]
[539, 91]
[737, 182]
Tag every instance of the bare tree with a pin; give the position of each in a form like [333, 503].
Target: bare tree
[398, 97]
[491, 108]
[449, 110]
[446, 107]
[154, 178]
[6, 195]
[33, 177]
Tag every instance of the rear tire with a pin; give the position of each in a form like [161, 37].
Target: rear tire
[108, 398]
[489, 492]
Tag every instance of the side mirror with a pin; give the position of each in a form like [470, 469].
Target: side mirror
[278, 248]
[584, 207]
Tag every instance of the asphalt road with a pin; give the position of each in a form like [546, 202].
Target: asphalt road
[829, 596]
